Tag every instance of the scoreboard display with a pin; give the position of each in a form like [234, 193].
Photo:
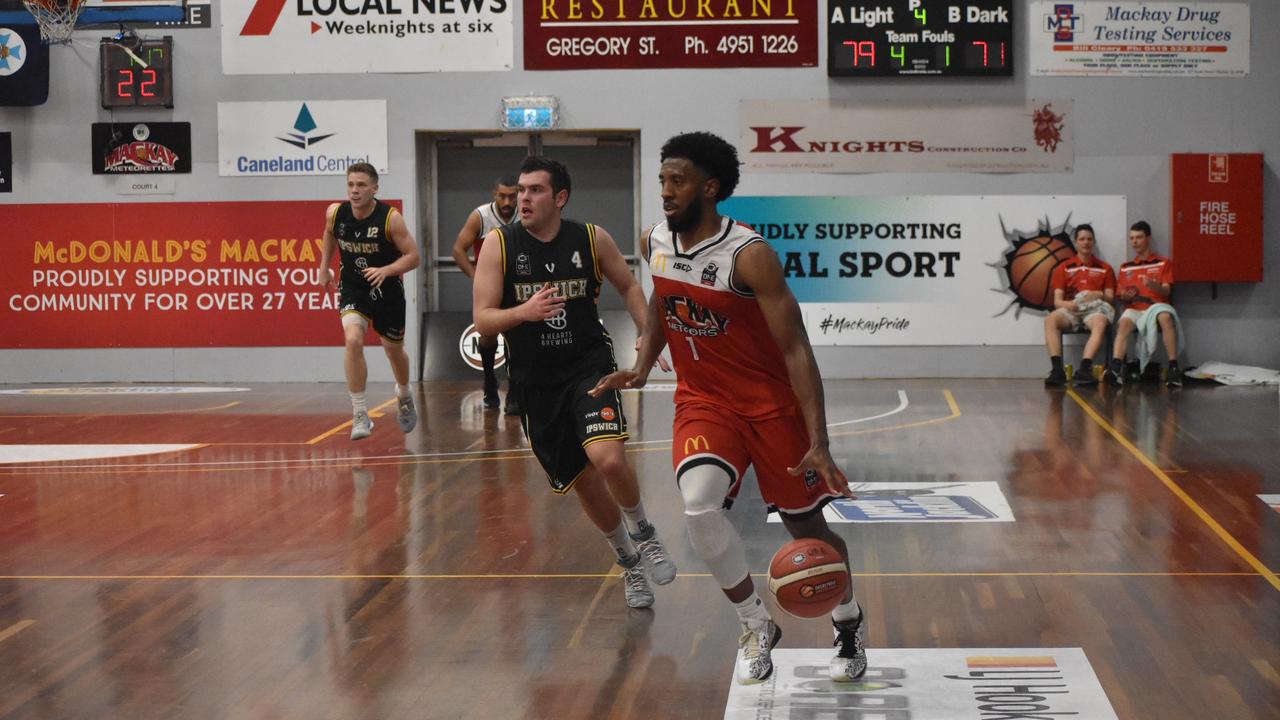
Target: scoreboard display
[896, 38]
[141, 77]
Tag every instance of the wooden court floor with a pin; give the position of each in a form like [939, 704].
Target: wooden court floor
[277, 570]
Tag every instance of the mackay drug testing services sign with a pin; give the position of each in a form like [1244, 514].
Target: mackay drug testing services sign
[1139, 38]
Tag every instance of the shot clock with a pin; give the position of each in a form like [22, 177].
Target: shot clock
[141, 79]
[902, 38]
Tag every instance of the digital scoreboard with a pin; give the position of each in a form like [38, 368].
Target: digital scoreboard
[126, 82]
[920, 37]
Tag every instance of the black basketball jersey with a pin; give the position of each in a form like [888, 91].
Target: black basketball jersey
[364, 243]
[562, 347]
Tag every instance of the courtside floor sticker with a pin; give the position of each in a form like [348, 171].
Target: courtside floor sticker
[919, 502]
[928, 684]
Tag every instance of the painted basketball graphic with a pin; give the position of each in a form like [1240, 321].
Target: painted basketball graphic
[1030, 265]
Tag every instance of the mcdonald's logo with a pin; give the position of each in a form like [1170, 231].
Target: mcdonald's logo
[699, 442]
[658, 261]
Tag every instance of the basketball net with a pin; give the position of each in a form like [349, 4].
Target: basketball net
[56, 18]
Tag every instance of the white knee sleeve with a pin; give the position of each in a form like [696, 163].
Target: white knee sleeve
[712, 535]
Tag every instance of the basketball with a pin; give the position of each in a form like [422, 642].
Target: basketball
[1031, 266]
[807, 578]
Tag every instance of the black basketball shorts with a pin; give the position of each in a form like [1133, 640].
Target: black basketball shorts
[561, 420]
[382, 307]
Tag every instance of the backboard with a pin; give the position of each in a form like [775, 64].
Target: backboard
[104, 13]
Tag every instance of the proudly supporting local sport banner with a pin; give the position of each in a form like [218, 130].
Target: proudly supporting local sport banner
[929, 270]
[857, 137]
[325, 37]
[1139, 39]
[576, 35]
[225, 274]
[301, 137]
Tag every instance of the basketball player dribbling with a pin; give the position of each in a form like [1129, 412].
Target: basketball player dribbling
[480, 222]
[376, 250]
[537, 281]
[748, 390]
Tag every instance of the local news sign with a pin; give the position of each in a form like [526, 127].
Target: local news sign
[326, 37]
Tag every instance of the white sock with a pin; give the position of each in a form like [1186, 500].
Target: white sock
[752, 611]
[358, 404]
[402, 391]
[845, 612]
[637, 523]
[621, 543]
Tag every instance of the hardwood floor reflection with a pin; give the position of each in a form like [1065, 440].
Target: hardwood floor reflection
[265, 574]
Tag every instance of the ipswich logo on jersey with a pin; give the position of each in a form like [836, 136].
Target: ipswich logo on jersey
[687, 316]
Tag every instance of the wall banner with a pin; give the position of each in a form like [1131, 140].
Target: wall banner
[575, 35]
[301, 137]
[324, 37]
[928, 270]
[1139, 39]
[6, 162]
[135, 148]
[141, 275]
[846, 137]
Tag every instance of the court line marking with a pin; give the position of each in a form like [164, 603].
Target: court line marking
[431, 458]
[614, 575]
[128, 414]
[1178, 492]
[15, 628]
[576, 638]
[347, 424]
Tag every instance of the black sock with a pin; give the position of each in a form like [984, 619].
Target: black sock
[1056, 361]
[487, 355]
[1086, 365]
[1117, 365]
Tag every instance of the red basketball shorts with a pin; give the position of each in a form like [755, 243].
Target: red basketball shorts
[710, 435]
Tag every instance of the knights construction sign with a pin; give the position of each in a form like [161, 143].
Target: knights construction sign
[325, 37]
[930, 684]
[137, 148]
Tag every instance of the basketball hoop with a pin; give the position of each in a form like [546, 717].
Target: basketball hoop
[56, 18]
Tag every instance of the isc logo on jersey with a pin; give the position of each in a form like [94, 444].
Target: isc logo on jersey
[687, 316]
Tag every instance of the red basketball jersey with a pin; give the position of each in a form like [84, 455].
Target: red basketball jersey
[1135, 272]
[1074, 276]
[723, 351]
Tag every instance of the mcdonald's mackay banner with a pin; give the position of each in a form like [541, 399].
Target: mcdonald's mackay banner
[928, 270]
[223, 274]
[324, 37]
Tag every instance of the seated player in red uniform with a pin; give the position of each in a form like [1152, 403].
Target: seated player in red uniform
[1083, 289]
[1144, 286]
[748, 390]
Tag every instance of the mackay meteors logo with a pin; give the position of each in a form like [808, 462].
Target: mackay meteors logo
[687, 316]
